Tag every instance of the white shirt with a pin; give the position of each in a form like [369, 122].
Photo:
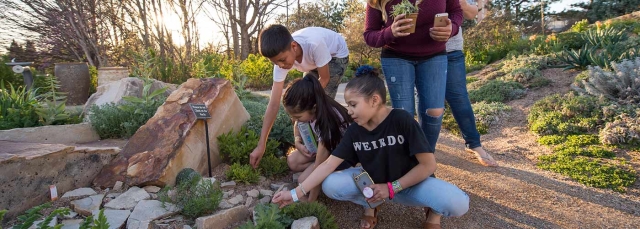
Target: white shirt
[318, 45]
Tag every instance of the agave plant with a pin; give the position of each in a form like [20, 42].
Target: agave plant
[578, 59]
[604, 37]
[405, 7]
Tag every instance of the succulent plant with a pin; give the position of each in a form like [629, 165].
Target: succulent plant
[405, 7]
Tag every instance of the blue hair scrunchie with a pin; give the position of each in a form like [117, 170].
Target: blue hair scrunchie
[364, 69]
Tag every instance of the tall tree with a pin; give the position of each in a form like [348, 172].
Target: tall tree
[354, 14]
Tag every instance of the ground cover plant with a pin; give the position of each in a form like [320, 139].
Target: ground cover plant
[486, 115]
[270, 216]
[196, 197]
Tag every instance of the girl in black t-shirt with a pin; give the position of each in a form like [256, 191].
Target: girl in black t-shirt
[306, 103]
[392, 148]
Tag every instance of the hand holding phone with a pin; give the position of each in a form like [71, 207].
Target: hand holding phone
[441, 30]
[363, 181]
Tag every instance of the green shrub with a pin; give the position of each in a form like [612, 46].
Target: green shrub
[2, 213]
[570, 40]
[282, 129]
[625, 130]
[524, 75]
[28, 219]
[270, 165]
[51, 109]
[551, 140]
[93, 72]
[590, 151]
[320, 211]
[123, 120]
[99, 223]
[243, 173]
[621, 85]
[196, 197]
[17, 107]
[582, 140]
[492, 40]
[590, 172]
[580, 26]
[564, 115]
[497, 91]
[259, 71]
[486, 115]
[186, 175]
[268, 217]
[236, 147]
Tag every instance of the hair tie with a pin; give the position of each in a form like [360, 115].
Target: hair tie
[363, 70]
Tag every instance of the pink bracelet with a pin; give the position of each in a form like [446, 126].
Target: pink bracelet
[390, 190]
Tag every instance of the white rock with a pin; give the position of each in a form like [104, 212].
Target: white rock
[71, 223]
[236, 200]
[265, 192]
[113, 195]
[228, 184]
[87, 205]
[265, 200]
[276, 186]
[147, 211]
[209, 179]
[186, 227]
[224, 205]
[53, 222]
[129, 199]
[71, 215]
[262, 179]
[224, 219]
[118, 186]
[152, 189]
[249, 201]
[81, 192]
[253, 193]
[310, 222]
[227, 194]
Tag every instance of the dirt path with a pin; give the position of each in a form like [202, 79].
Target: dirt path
[517, 194]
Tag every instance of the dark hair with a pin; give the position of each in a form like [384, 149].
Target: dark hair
[367, 82]
[305, 93]
[273, 40]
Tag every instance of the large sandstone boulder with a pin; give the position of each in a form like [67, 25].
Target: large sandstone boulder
[27, 170]
[114, 91]
[173, 139]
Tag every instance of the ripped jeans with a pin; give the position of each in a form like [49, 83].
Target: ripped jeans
[429, 77]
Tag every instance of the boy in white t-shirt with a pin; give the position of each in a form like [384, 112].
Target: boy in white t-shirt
[311, 49]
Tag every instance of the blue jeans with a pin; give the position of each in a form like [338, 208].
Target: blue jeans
[458, 99]
[429, 77]
[442, 197]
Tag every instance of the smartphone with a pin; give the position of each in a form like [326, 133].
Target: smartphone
[364, 180]
[440, 20]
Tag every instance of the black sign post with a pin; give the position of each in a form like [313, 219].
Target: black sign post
[201, 112]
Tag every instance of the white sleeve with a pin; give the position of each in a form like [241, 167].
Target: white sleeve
[279, 74]
[321, 54]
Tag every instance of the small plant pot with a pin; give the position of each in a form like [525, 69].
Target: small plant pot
[412, 29]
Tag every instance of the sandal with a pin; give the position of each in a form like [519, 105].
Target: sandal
[371, 220]
[427, 225]
[486, 160]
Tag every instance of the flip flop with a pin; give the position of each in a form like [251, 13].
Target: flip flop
[371, 220]
[430, 225]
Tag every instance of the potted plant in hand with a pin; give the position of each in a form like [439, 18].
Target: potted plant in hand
[409, 10]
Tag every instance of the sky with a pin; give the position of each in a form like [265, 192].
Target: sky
[209, 32]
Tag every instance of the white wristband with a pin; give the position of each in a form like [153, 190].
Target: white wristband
[294, 195]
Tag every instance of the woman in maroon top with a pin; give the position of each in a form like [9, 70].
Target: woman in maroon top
[417, 60]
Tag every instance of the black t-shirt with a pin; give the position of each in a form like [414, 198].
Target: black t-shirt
[388, 151]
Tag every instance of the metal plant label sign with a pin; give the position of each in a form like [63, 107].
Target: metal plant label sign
[200, 110]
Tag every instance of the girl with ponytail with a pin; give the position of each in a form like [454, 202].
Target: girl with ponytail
[319, 119]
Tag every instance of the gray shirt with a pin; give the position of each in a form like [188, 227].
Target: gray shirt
[455, 43]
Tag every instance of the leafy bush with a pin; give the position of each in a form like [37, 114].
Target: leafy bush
[570, 40]
[122, 121]
[580, 26]
[93, 72]
[196, 197]
[270, 165]
[7, 75]
[243, 173]
[51, 109]
[551, 140]
[306, 209]
[497, 91]
[99, 223]
[259, 71]
[492, 40]
[17, 107]
[621, 85]
[27, 220]
[486, 115]
[268, 217]
[236, 147]
[590, 172]
[602, 46]
[186, 175]
[624, 130]
[564, 115]
[282, 129]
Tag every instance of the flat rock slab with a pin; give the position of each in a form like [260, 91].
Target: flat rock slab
[147, 211]
[224, 218]
[73, 134]
[310, 222]
[87, 205]
[115, 218]
[28, 169]
[71, 223]
[81, 192]
[152, 189]
[129, 199]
